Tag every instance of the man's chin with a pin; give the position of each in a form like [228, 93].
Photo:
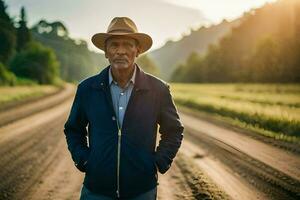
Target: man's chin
[120, 65]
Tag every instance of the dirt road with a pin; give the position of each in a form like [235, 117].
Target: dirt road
[35, 163]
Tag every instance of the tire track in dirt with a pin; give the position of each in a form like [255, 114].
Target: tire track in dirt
[63, 181]
[185, 181]
[36, 148]
[244, 170]
[223, 176]
[172, 185]
[283, 161]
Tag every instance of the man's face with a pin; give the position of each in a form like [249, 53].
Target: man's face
[121, 51]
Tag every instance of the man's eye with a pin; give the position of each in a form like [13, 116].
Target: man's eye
[113, 45]
[128, 45]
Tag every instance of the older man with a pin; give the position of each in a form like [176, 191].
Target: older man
[122, 107]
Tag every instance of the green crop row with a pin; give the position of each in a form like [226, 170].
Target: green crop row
[251, 108]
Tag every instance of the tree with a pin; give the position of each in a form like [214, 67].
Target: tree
[265, 63]
[178, 74]
[3, 15]
[190, 71]
[148, 65]
[76, 61]
[264, 47]
[23, 33]
[6, 77]
[7, 35]
[36, 62]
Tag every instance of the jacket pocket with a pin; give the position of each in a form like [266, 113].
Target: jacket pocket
[137, 169]
[138, 158]
[101, 165]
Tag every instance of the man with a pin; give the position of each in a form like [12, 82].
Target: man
[122, 107]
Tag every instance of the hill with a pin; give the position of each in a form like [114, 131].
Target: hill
[76, 60]
[263, 48]
[175, 52]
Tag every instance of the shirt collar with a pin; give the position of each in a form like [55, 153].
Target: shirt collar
[110, 77]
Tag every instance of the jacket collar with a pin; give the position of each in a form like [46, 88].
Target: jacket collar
[101, 80]
[110, 77]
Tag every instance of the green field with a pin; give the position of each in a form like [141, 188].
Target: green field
[270, 109]
[11, 95]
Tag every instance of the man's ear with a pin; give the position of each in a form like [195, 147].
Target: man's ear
[138, 52]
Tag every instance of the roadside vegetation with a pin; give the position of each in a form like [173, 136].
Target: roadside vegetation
[18, 94]
[269, 109]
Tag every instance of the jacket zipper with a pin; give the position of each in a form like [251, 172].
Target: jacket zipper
[119, 146]
[118, 156]
[118, 161]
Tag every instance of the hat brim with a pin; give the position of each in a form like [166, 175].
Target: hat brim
[145, 41]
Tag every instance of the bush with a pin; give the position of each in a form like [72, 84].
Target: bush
[36, 62]
[25, 81]
[6, 77]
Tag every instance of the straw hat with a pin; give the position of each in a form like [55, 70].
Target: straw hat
[122, 26]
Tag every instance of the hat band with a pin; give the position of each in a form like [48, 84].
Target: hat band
[121, 30]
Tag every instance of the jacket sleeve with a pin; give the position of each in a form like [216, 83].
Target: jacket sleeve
[75, 132]
[171, 130]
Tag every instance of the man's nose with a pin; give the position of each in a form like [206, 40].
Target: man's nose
[121, 50]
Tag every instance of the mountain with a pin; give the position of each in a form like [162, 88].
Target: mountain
[76, 60]
[175, 52]
[264, 47]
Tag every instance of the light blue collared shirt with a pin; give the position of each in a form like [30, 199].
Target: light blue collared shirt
[120, 96]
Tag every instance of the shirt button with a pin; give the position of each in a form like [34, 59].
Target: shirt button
[122, 93]
[121, 108]
[113, 118]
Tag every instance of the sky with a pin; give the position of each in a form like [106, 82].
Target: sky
[163, 20]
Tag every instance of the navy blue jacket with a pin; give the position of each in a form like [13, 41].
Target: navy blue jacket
[150, 105]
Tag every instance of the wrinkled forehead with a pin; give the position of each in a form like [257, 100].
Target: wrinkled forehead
[121, 38]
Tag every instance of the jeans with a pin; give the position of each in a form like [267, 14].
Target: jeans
[88, 195]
